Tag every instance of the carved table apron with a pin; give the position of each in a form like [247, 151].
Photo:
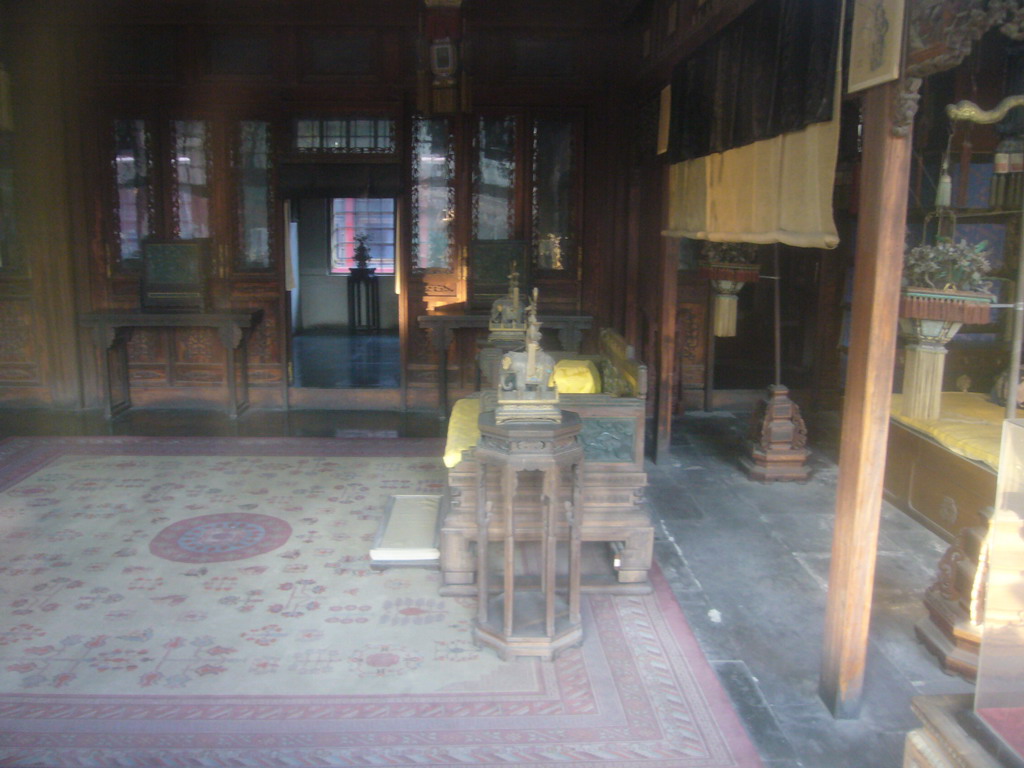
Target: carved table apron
[111, 330]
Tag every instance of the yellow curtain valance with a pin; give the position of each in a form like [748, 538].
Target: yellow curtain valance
[773, 191]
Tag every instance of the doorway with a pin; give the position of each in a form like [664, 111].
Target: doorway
[344, 330]
[744, 364]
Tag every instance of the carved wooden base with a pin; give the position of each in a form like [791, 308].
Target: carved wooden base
[529, 638]
[778, 439]
[624, 565]
[601, 571]
[949, 636]
[950, 736]
[615, 514]
[947, 630]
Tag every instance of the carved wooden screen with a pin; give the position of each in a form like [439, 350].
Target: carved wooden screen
[180, 179]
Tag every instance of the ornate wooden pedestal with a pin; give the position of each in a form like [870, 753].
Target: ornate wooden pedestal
[778, 439]
[947, 631]
[363, 299]
[528, 617]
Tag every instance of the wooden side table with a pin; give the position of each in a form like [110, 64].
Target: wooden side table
[518, 620]
[112, 329]
[441, 332]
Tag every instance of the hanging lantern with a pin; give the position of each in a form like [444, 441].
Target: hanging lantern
[729, 266]
[443, 87]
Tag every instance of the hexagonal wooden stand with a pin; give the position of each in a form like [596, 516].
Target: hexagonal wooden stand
[521, 621]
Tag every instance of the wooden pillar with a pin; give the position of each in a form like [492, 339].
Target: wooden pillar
[41, 288]
[633, 261]
[878, 266]
[668, 274]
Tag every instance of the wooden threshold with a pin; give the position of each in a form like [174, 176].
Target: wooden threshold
[345, 399]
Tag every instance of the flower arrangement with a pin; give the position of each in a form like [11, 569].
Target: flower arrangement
[730, 261]
[948, 265]
[946, 281]
[729, 253]
[362, 253]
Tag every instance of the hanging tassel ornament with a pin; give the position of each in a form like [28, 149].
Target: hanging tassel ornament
[729, 266]
[925, 349]
[944, 189]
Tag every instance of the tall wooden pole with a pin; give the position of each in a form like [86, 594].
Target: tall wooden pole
[878, 266]
[777, 317]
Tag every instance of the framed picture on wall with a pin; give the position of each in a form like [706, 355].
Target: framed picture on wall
[877, 43]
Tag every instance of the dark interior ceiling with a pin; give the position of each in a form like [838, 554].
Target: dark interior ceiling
[565, 14]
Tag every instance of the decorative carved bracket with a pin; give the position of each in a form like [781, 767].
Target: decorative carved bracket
[907, 99]
[942, 32]
[230, 336]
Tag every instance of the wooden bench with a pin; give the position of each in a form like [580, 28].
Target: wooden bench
[927, 473]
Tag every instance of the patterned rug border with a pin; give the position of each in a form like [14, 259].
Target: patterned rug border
[302, 731]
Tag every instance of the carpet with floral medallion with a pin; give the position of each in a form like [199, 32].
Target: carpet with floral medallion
[209, 602]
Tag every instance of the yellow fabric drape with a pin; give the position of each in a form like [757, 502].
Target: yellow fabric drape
[463, 432]
[778, 190]
[773, 191]
[576, 377]
[969, 424]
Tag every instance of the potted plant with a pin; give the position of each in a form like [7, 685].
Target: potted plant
[944, 287]
[946, 281]
[729, 266]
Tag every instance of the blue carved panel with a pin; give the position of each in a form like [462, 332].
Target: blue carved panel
[608, 440]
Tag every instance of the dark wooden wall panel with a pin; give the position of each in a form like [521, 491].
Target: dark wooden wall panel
[691, 342]
[19, 348]
[178, 58]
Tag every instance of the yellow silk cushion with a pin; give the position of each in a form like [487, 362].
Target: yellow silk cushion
[969, 424]
[463, 431]
[576, 377]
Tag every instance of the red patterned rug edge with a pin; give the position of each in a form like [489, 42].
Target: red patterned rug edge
[715, 695]
[29, 454]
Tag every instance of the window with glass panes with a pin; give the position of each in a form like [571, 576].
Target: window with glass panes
[134, 206]
[350, 135]
[353, 217]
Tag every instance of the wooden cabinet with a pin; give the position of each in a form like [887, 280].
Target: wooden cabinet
[490, 189]
[207, 178]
